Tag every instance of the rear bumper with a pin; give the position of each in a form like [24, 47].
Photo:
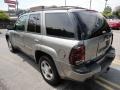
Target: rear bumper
[82, 72]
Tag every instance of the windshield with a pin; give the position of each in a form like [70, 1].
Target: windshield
[90, 24]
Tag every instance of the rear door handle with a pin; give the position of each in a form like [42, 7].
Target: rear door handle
[36, 40]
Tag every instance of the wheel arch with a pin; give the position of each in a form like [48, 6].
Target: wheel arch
[51, 53]
[39, 53]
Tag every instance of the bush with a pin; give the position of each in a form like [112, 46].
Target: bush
[116, 12]
[3, 16]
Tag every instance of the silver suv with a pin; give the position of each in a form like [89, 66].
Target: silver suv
[67, 42]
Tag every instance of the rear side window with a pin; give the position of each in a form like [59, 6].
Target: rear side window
[20, 24]
[59, 24]
[34, 23]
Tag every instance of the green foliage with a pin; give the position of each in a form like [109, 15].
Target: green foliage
[107, 12]
[3, 16]
[116, 12]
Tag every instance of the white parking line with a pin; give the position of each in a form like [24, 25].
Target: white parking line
[109, 82]
[104, 85]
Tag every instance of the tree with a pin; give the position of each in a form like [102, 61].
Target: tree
[116, 12]
[107, 12]
[3, 16]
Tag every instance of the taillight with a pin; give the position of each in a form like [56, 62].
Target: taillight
[77, 55]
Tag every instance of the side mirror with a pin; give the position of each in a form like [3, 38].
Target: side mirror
[9, 27]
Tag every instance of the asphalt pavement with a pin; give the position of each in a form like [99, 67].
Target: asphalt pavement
[116, 42]
[19, 72]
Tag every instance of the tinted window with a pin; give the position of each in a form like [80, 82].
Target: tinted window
[34, 23]
[20, 24]
[59, 24]
[91, 23]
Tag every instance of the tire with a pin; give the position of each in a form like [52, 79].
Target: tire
[48, 70]
[119, 28]
[10, 46]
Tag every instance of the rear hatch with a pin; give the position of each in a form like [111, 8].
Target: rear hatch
[95, 32]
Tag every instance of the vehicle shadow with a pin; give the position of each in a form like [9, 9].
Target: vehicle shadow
[90, 84]
[73, 85]
[65, 84]
[112, 76]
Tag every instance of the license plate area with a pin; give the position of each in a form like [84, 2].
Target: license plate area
[103, 45]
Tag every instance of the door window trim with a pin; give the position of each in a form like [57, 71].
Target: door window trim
[25, 23]
[45, 12]
[40, 16]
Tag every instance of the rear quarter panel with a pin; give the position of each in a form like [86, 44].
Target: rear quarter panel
[58, 48]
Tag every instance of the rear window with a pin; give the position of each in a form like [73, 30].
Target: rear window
[90, 24]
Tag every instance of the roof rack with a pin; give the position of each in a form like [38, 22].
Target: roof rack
[75, 7]
[43, 8]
